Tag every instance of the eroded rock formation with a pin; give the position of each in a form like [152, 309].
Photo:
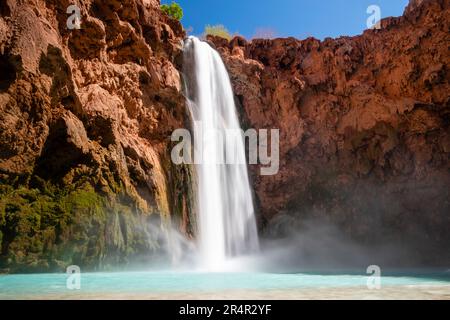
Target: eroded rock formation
[86, 117]
[364, 128]
[85, 122]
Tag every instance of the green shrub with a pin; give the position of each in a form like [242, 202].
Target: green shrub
[217, 30]
[173, 10]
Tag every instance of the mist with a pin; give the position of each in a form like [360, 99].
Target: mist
[309, 246]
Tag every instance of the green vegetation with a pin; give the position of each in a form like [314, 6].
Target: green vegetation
[218, 31]
[173, 10]
[48, 228]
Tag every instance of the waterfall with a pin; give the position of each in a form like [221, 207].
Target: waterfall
[227, 226]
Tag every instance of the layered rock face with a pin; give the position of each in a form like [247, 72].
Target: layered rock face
[364, 128]
[85, 122]
[86, 117]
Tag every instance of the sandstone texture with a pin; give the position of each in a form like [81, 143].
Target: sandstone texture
[364, 128]
[86, 117]
[85, 122]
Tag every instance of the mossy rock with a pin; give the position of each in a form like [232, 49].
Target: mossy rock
[48, 228]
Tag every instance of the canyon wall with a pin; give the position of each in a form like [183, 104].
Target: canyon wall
[85, 122]
[86, 117]
[364, 129]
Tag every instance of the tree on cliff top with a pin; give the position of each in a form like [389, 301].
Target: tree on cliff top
[217, 30]
[173, 10]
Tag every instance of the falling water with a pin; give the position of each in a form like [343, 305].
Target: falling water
[227, 224]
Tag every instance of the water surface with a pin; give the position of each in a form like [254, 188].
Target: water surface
[202, 285]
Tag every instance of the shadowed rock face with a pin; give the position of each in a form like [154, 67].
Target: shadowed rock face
[364, 127]
[85, 123]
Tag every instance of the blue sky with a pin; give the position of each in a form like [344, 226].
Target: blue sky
[297, 18]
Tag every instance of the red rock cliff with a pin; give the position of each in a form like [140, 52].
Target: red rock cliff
[85, 122]
[364, 126]
[86, 117]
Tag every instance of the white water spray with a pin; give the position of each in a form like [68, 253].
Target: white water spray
[226, 215]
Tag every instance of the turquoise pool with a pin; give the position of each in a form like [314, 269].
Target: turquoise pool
[154, 283]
